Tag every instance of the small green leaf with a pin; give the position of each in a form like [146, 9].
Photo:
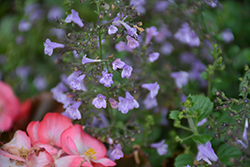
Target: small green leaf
[184, 160]
[204, 75]
[202, 139]
[227, 152]
[202, 105]
[174, 115]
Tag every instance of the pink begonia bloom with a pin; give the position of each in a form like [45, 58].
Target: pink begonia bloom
[151, 32]
[73, 112]
[117, 151]
[49, 46]
[19, 151]
[106, 79]
[160, 147]
[150, 102]
[99, 101]
[76, 142]
[126, 72]
[181, 78]
[131, 30]
[186, 35]
[132, 43]
[122, 46]
[9, 107]
[127, 103]
[202, 122]
[50, 128]
[153, 56]
[117, 64]
[152, 87]
[112, 29]
[113, 103]
[75, 18]
[206, 153]
[86, 60]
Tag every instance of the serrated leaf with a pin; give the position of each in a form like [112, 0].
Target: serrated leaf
[202, 105]
[227, 152]
[202, 139]
[174, 115]
[184, 160]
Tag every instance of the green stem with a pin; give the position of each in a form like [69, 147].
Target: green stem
[100, 44]
[209, 86]
[192, 126]
[183, 127]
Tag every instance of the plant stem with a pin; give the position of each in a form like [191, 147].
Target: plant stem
[192, 126]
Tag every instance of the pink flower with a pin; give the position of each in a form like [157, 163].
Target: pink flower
[78, 144]
[75, 18]
[49, 46]
[113, 103]
[9, 107]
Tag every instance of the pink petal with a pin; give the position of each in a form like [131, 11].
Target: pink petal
[71, 161]
[68, 145]
[40, 158]
[105, 162]
[83, 141]
[5, 161]
[50, 149]
[32, 131]
[13, 157]
[51, 128]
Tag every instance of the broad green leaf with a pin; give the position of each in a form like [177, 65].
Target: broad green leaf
[202, 139]
[202, 105]
[174, 114]
[227, 152]
[184, 160]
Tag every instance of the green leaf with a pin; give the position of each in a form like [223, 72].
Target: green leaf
[174, 115]
[202, 139]
[202, 105]
[204, 75]
[184, 160]
[227, 152]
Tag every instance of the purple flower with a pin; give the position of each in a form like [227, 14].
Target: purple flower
[112, 29]
[160, 147]
[73, 112]
[131, 30]
[161, 6]
[151, 32]
[126, 72]
[163, 33]
[24, 25]
[118, 64]
[241, 142]
[76, 81]
[86, 60]
[181, 78]
[34, 11]
[206, 153]
[23, 72]
[55, 13]
[106, 79]
[117, 18]
[244, 136]
[59, 33]
[99, 101]
[113, 103]
[138, 4]
[40, 83]
[152, 87]
[212, 3]
[76, 55]
[167, 48]
[117, 151]
[19, 39]
[49, 46]
[187, 36]
[122, 46]
[227, 36]
[202, 122]
[150, 102]
[75, 18]
[128, 103]
[153, 56]
[132, 43]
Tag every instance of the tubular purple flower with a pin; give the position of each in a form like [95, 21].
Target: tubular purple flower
[227, 36]
[206, 153]
[73, 112]
[113, 103]
[76, 81]
[128, 103]
[132, 43]
[151, 32]
[106, 79]
[49, 46]
[153, 56]
[24, 25]
[244, 136]
[131, 30]
[133, 103]
[126, 72]
[202, 122]
[138, 4]
[112, 29]
[152, 87]
[117, 64]
[167, 48]
[75, 18]
[117, 151]
[86, 60]
[181, 78]
[122, 46]
[150, 102]
[160, 147]
[99, 101]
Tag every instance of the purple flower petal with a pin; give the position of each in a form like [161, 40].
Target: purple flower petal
[74, 17]
[99, 101]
